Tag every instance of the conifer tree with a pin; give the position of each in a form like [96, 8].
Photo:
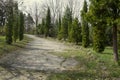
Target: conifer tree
[64, 29]
[48, 23]
[59, 28]
[66, 24]
[9, 24]
[99, 37]
[75, 33]
[85, 28]
[21, 27]
[107, 12]
[16, 23]
[42, 26]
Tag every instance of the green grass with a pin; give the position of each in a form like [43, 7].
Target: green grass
[92, 65]
[5, 48]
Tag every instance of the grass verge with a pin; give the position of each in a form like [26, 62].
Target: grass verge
[92, 65]
[5, 48]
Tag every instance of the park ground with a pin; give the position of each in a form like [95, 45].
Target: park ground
[38, 58]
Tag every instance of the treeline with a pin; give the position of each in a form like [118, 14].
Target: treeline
[11, 21]
[98, 26]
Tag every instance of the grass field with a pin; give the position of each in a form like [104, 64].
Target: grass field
[92, 65]
[4, 48]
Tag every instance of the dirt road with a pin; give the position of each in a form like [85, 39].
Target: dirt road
[35, 62]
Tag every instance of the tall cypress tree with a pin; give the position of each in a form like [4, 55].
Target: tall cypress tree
[16, 23]
[107, 12]
[66, 24]
[9, 25]
[48, 23]
[98, 28]
[75, 33]
[42, 26]
[85, 28]
[59, 28]
[119, 38]
[21, 27]
[99, 37]
[64, 29]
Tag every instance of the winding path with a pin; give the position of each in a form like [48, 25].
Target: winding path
[29, 63]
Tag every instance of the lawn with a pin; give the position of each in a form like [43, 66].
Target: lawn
[5, 48]
[92, 65]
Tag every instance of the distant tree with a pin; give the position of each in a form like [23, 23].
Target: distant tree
[15, 22]
[85, 28]
[29, 22]
[9, 24]
[48, 23]
[66, 24]
[54, 29]
[41, 27]
[2, 13]
[75, 33]
[21, 27]
[64, 29]
[59, 28]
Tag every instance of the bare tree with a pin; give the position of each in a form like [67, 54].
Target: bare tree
[34, 11]
[55, 7]
[2, 12]
[75, 7]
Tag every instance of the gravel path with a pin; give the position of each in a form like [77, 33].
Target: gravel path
[35, 62]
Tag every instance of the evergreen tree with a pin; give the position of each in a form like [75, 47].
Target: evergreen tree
[85, 28]
[108, 34]
[66, 24]
[119, 38]
[75, 33]
[99, 37]
[106, 12]
[59, 28]
[21, 27]
[48, 23]
[9, 24]
[29, 22]
[64, 29]
[56, 29]
[42, 27]
[16, 23]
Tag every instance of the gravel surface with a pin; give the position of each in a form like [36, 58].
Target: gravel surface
[35, 62]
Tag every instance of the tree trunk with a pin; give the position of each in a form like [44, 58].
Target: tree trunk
[115, 47]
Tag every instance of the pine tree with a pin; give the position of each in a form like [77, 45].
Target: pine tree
[48, 23]
[9, 24]
[21, 27]
[85, 28]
